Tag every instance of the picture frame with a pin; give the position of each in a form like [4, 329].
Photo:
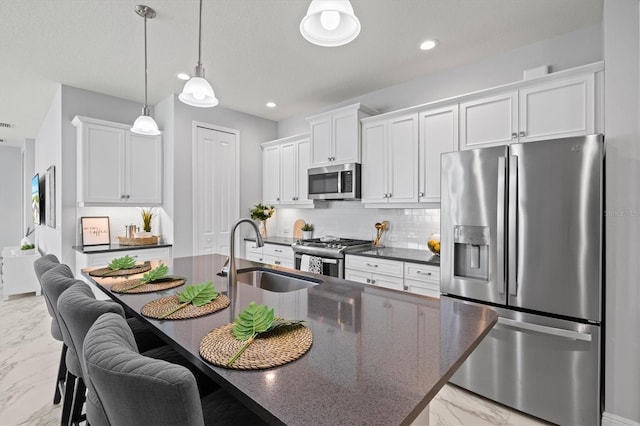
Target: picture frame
[95, 230]
[50, 197]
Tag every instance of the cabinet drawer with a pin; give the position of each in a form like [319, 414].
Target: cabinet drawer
[419, 272]
[378, 266]
[250, 247]
[255, 257]
[278, 250]
[386, 281]
[423, 288]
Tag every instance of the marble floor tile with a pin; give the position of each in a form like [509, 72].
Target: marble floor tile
[29, 359]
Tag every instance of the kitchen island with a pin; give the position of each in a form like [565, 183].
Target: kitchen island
[378, 356]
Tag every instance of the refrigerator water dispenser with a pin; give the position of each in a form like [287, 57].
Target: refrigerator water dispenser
[471, 252]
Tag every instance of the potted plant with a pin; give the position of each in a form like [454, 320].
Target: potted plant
[307, 231]
[147, 215]
[262, 213]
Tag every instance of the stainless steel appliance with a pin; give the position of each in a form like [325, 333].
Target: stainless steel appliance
[341, 182]
[331, 250]
[521, 230]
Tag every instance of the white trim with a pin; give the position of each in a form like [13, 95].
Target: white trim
[194, 175]
[609, 419]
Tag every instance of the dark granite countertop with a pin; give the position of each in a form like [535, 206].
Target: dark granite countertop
[381, 364]
[106, 248]
[403, 254]
[281, 241]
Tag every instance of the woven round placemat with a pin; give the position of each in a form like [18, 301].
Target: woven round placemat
[157, 308]
[269, 350]
[107, 272]
[129, 286]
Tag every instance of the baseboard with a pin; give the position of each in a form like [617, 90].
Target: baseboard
[609, 419]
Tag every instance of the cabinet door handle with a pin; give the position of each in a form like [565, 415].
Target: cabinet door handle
[373, 265]
[368, 280]
[423, 273]
[277, 251]
[122, 197]
[260, 259]
[420, 194]
[406, 287]
[373, 281]
[522, 134]
[514, 135]
[277, 262]
[278, 199]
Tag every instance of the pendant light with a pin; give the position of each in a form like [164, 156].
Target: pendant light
[330, 23]
[197, 91]
[145, 124]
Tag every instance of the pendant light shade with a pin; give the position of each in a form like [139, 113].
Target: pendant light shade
[330, 23]
[197, 91]
[145, 124]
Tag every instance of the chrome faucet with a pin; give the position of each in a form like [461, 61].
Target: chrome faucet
[232, 274]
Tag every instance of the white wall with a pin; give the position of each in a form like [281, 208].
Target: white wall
[253, 131]
[11, 196]
[48, 152]
[28, 162]
[622, 215]
[562, 52]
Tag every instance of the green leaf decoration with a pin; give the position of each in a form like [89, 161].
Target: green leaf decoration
[155, 274]
[255, 320]
[126, 262]
[197, 295]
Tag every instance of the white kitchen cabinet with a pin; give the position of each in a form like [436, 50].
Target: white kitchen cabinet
[412, 277]
[271, 175]
[285, 165]
[380, 272]
[390, 160]
[18, 275]
[422, 279]
[438, 134]
[560, 108]
[546, 110]
[272, 254]
[116, 166]
[335, 135]
[489, 121]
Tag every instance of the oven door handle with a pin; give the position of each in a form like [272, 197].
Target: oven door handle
[327, 260]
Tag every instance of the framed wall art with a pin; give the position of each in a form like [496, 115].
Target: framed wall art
[95, 230]
[50, 197]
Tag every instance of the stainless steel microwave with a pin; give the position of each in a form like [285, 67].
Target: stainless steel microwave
[341, 182]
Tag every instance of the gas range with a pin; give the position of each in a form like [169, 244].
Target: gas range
[334, 248]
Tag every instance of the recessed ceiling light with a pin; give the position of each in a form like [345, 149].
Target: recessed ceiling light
[183, 76]
[271, 105]
[428, 44]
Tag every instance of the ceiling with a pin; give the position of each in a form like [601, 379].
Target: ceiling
[252, 50]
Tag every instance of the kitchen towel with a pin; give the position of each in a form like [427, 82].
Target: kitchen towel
[311, 264]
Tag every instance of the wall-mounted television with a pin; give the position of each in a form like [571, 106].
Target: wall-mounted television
[37, 199]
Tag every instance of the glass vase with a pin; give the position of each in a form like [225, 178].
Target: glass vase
[263, 229]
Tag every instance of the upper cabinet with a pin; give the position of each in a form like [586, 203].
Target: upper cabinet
[438, 134]
[116, 166]
[284, 168]
[335, 135]
[554, 109]
[390, 160]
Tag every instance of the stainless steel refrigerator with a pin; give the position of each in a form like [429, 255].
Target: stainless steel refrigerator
[521, 232]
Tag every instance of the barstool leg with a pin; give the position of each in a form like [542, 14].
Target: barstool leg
[67, 404]
[79, 396]
[62, 373]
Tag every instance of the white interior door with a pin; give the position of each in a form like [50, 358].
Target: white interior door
[216, 188]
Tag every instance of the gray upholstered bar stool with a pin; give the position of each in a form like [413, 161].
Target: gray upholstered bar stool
[138, 390]
[54, 282]
[78, 309]
[41, 266]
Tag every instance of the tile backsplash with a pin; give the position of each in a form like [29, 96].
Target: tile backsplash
[408, 228]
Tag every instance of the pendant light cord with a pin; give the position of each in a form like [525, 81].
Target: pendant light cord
[145, 61]
[200, 35]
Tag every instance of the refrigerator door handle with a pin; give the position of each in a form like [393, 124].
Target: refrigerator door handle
[501, 279]
[512, 220]
[560, 332]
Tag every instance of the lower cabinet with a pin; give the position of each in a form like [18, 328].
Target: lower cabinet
[18, 275]
[272, 254]
[397, 275]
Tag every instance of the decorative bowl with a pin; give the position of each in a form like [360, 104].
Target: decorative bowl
[433, 244]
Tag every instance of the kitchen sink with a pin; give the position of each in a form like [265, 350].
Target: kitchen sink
[276, 281]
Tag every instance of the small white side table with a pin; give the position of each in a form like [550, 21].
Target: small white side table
[18, 275]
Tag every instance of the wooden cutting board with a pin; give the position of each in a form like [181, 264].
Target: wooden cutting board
[297, 228]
